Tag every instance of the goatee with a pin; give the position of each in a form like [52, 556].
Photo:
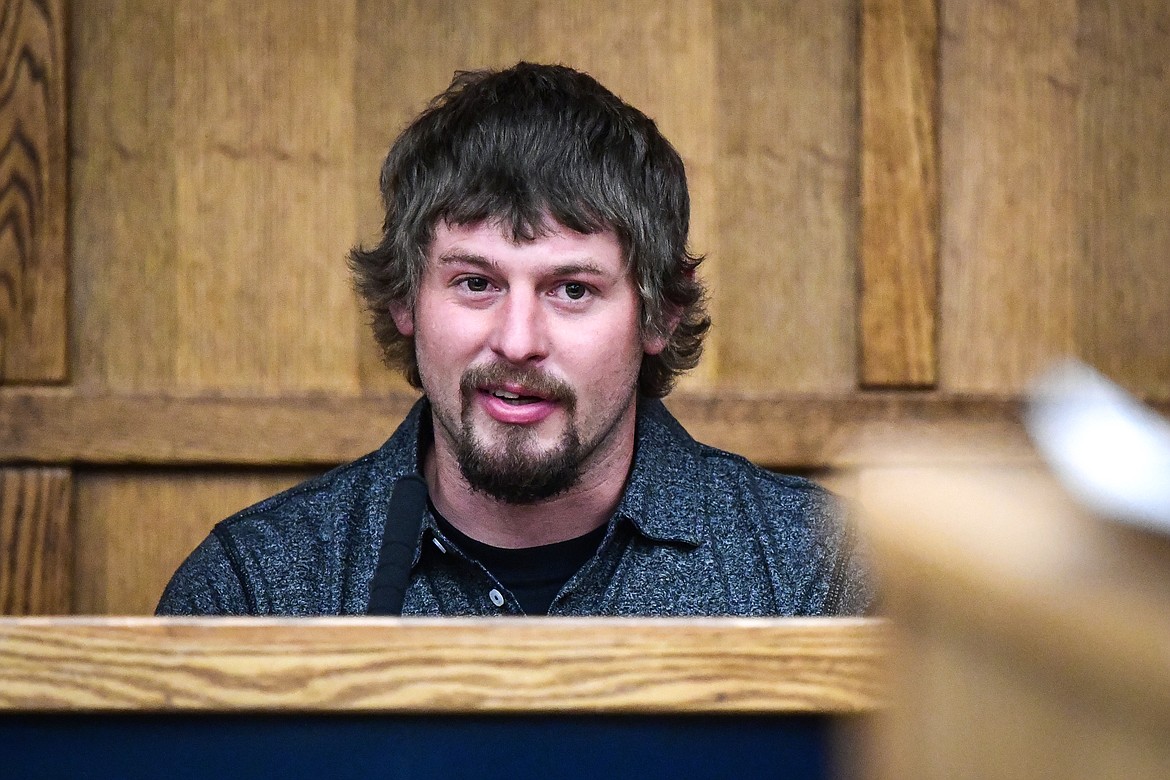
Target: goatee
[514, 471]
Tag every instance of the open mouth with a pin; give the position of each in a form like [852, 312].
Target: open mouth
[515, 399]
[516, 395]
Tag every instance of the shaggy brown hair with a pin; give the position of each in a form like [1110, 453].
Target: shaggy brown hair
[516, 147]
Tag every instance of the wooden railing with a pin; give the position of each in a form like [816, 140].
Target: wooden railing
[445, 665]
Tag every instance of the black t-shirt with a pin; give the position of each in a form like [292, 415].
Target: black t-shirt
[534, 575]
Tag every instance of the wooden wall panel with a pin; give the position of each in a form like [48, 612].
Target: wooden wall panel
[133, 529]
[1056, 191]
[222, 268]
[1125, 192]
[787, 181]
[899, 193]
[123, 215]
[799, 432]
[264, 100]
[33, 192]
[35, 541]
[209, 129]
[1010, 234]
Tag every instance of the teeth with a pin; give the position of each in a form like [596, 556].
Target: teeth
[505, 395]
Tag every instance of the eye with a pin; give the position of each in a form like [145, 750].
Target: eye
[476, 284]
[575, 291]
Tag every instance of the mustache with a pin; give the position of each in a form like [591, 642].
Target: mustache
[533, 380]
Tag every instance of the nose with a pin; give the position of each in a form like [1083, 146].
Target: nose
[520, 332]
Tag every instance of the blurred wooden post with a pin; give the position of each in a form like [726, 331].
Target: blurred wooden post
[1030, 640]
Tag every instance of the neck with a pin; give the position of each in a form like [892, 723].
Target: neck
[575, 512]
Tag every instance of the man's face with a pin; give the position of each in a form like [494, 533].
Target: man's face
[529, 353]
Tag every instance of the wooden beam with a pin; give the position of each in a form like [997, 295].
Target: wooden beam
[33, 192]
[899, 193]
[57, 426]
[454, 665]
[36, 540]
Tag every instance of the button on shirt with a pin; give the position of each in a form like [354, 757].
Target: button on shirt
[698, 531]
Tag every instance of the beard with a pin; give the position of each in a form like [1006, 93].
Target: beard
[515, 471]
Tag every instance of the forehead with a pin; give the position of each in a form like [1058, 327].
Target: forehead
[554, 245]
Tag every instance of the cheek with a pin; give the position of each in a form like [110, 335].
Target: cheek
[609, 358]
[447, 336]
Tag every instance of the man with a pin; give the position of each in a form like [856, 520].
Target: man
[533, 281]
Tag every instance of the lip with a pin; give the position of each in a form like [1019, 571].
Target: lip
[514, 414]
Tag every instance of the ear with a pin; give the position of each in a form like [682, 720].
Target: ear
[403, 318]
[653, 343]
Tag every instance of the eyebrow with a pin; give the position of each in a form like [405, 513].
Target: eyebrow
[577, 269]
[466, 258]
[583, 267]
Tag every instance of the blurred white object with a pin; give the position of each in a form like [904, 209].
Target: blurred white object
[1107, 448]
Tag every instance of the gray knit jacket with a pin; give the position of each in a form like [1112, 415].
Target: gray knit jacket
[698, 531]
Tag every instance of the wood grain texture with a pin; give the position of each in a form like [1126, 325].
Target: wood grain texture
[899, 193]
[33, 192]
[123, 216]
[1010, 228]
[263, 170]
[134, 527]
[210, 149]
[1124, 292]
[1056, 226]
[35, 541]
[801, 431]
[225, 133]
[784, 266]
[451, 665]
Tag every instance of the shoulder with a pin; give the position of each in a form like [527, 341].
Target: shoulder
[344, 495]
[799, 529]
[767, 500]
[729, 464]
[781, 529]
[301, 551]
[259, 560]
[330, 497]
[671, 448]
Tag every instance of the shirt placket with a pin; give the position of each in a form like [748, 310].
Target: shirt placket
[471, 578]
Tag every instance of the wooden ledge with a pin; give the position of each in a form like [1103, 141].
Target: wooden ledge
[447, 665]
[62, 427]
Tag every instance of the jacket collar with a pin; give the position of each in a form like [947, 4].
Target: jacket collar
[664, 495]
